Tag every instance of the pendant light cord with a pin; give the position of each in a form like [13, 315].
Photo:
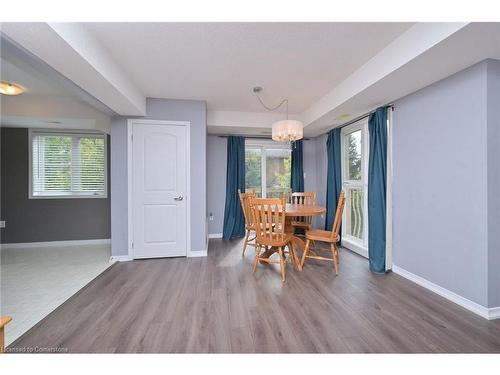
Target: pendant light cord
[276, 107]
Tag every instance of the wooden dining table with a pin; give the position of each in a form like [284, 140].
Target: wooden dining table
[291, 211]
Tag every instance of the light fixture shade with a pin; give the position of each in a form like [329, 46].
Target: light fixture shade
[288, 131]
[10, 88]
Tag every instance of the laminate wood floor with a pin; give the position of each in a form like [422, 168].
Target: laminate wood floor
[216, 305]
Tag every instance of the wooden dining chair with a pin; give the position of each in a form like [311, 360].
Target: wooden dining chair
[309, 198]
[269, 224]
[332, 237]
[3, 322]
[247, 213]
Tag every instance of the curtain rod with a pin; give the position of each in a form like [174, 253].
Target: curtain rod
[362, 117]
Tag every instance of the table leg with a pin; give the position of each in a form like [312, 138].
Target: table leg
[268, 253]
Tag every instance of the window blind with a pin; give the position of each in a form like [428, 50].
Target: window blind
[68, 165]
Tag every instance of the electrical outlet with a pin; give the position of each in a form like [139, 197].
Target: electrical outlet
[2, 224]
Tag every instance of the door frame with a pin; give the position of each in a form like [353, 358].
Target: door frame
[130, 203]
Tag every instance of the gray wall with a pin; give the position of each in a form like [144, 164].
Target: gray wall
[193, 111]
[216, 181]
[493, 67]
[39, 220]
[309, 164]
[440, 204]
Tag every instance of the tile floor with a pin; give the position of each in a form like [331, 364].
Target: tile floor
[35, 281]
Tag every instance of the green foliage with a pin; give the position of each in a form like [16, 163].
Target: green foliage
[57, 163]
[354, 154]
[252, 170]
[72, 169]
[91, 163]
[278, 172]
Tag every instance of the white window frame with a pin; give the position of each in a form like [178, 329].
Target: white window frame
[69, 133]
[348, 241]
[263, 145]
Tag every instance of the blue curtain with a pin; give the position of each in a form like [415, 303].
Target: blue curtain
[377, 180]
[234, 221]
[297, 180]
[334, 176]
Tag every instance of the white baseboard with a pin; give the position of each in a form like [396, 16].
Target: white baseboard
[194, 254]
[215, 235]
[127, 258]
[30, 245]
[484, 312]
[120, 258]
[494, 313]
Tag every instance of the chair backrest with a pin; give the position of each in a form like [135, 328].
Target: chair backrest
[245, 205]
[308, 197]
[338, 215]
[269, 219]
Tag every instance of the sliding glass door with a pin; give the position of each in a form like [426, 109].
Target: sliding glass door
[355, 184]
[267, 168]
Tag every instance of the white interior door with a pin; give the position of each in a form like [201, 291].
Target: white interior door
[159, 188]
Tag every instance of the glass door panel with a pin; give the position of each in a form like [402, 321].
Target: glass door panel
[253, 170]
[278, 170]
[355, 213]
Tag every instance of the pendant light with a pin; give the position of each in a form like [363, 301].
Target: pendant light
[284, 130]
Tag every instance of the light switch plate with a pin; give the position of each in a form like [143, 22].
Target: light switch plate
[2, 224]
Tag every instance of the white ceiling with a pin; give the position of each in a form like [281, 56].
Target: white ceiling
[331, 72]
[221, 62]
[50, 101]
[15, 69]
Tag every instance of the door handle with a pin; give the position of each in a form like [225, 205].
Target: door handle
[179, 198]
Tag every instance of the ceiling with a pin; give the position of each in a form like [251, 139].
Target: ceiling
[331, 72]
[221, 62]
[16, 68]
[50, 100]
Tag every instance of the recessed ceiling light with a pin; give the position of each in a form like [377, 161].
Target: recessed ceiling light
[11, 88]
[343, 116]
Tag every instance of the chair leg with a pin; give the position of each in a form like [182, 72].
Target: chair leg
[306, 250]
[293, 256]
[246, 242]
[335, 259]
[256, 260]
[282, 263]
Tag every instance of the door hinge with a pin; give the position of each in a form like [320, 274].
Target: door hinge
[131, 137]
[132, 244]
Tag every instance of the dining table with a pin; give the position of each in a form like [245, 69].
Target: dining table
[292, 211]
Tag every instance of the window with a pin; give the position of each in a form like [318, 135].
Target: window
[68, 165]
[267, 168]
[355, 185]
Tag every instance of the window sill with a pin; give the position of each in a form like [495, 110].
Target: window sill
[67, 197]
